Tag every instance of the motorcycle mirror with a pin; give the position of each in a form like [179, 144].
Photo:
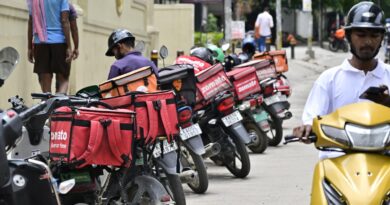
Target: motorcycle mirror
[9, 57]
[66, 186]
[140, 46]
[225, 46]
[163, 52]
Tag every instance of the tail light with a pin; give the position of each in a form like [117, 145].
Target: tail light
[249, 104]
[185, 114]
[268, 90]
[226, 105]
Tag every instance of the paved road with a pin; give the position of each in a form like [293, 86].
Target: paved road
[282, 175]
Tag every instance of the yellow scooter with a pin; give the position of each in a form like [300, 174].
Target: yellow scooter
[362, 175]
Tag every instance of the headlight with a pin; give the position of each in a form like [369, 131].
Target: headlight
[336, 134]
[368, 138]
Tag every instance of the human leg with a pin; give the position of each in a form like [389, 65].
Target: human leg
[60, 67]
[42, 66]
[262, 43]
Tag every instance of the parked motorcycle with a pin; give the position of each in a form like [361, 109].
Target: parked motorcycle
[360, 176]
[180, 78]
[337, 41]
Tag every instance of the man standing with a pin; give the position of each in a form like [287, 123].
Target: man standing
[263, 25]
[344, 84]
[49, 46]
[121, 45]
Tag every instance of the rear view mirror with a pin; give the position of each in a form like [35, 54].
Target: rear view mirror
[163, 52]
[140, 46]
[225, 46]
[9, 57]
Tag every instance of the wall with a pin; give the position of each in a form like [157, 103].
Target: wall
[98, 18]
[175, 23]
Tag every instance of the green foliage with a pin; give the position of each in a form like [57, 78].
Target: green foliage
[212, 23]
[202, 39]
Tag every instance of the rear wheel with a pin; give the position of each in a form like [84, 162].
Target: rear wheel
[195, 162]
[240, 165]
[260, 143]
[275, 134]
[333, 45]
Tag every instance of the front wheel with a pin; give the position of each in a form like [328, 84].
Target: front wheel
[275, 134]
[240, 165]
[260, 143]
[201, 182]
[333, 45]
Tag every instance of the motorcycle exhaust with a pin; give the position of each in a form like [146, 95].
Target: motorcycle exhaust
[187, 176]
[285, 115]
[212, 149]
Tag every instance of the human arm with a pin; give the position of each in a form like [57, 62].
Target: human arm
[30, 53]
[317, 104]
[257, 28]
[75, 37]
[66, 29]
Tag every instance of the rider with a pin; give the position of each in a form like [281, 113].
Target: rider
[343, 84]
[121, 45]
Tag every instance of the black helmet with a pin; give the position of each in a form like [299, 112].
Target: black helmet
[365, 15]
[203, 53]
[249, 46]
[117, 36]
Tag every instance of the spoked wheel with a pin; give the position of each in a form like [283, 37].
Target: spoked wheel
[195, 162]
[240, 164]
[260, 143]
[275, 134]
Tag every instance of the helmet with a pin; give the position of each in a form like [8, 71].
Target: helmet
[220, 57]
[231, 60]
[116, 37]
[365, 15]
[249, 46]
[203, 53]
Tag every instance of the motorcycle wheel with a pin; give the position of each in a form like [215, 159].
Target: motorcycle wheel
[260, 143]
[275, 134]
[195, 162]
[345, 46]
[175, 189]
[333, 46]
[240, 155]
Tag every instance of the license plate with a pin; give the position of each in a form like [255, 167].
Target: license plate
[190, 131]
[232, 118]
[275, 98]
[167, 147]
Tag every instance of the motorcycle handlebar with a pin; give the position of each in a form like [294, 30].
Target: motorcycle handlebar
[32, 111]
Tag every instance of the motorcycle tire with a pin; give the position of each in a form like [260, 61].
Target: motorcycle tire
[175, 189]
[242, 155]
[345, 46]
[275, 134]
[260, 143]
[201, 183]
[333, 46]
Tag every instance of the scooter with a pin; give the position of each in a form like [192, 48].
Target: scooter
[361, 175]
[337, 41]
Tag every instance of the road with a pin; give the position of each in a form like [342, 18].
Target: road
[282, 175]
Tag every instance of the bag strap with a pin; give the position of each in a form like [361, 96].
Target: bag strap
[115, 141]
[95, 139]
[153, 121]
[166, 119]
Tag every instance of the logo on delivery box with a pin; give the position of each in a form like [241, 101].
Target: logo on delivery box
[209, 88]
[246, 85]
[60, 135]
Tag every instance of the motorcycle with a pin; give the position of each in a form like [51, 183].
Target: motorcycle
[337, 41]
[360, 175]
[181, 79]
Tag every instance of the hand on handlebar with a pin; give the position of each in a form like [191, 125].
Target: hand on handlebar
[303, 132]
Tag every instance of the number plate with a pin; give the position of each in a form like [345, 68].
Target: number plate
[190, 131]
[167, 147]
[275, 98]
[232, 118]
